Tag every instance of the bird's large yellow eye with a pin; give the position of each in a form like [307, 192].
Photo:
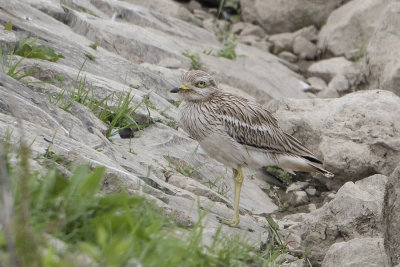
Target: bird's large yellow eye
[201, 84]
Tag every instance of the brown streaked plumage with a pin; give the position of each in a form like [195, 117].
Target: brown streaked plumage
[238, 132]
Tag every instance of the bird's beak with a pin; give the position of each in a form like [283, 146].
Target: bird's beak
[179, 89]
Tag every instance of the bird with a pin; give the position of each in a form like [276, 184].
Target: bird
[238, 132]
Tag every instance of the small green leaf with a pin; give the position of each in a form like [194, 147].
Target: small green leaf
[272, 223]
[8, 26]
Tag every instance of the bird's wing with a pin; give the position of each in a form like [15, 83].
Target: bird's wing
[255, 127]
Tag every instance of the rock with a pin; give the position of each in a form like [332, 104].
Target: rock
[391, 217]
[244, 28]
[358, 252]
[355, 212]
[328, 68]
[304, 48]
[296, 263]
[290, 57]
[310, 33]
[297, 198]
[287, 15]
[249, 39]
[8, 40]
[296, 186]
[263, 46]
[340, 84]
[382, 63]
[295, 68]
[349, 28]
[193, 4]
[251, 29]
[238, 27]
[281, 42]
[316, 85]
[355, 135]
[171, 63]
[262, 75]
[311, 191]
[166, 7]
[214, 2]
[330, 91]
[202, 14]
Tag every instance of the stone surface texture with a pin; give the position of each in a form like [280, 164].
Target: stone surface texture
[358, 252]
[382, 59]
[350, 27]
[391, 217]
[355, 212]
[287, 15]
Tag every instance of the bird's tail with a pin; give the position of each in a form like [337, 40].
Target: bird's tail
[321, 170]
[297, 163]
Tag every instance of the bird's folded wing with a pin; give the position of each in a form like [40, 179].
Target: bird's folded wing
[253, 126]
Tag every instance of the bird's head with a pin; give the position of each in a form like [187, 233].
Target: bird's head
[196, 85]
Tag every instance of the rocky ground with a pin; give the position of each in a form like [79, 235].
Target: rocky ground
[328, 70]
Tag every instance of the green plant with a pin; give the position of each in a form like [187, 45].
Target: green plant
[134, 86]
[229, 49]
[119, 116]
[195, 58]
[28, 49]
[8, 26]
[122, 115]
[234, 7]
[60, 100]
[283, 175]
[320, 23]
[274, 250]
[59, 78]
[176, 103]
[90, 56]
[10, 67]
[229, 42]
[305, 18]
[117, 229]
[94, 45]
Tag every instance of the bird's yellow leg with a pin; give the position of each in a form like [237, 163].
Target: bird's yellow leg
[238, 180]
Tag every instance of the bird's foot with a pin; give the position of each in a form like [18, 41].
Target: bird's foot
[233, 222]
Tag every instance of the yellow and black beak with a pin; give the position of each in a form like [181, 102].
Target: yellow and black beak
[180, 89]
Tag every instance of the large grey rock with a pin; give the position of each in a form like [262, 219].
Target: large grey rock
[355, 135]
[391, 217]
[349, 28]
[8, 40]
[166, 7]
[328, 68]
[282, 42]
[358, 252]
[262, 75]
[355, 212]
[316, 84]
[304, 48]
[287, 15]
[382, 63]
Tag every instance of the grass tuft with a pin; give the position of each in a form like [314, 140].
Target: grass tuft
[8, 26]
[28, 49]
[58, 221]
[195, 58]
[94, 45]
